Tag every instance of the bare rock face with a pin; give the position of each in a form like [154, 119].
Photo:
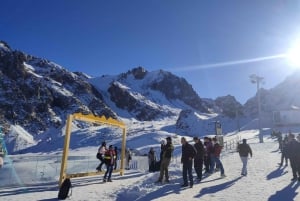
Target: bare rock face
[228, 106]
[178, 88]
[36, 93]
[137, 107]
[139, 72]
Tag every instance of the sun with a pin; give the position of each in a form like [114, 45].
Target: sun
[293, 55]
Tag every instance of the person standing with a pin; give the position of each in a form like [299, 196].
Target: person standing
[293, 150]
[1, 162]
[165, 161]
[279, 138]
[207, 149]
[283, 151]
[116, 158]
[128, 158]
[151, 160]
[101, 151]
[188, 153]
[109, 159]
[198, 160]
[162, 148]
[244, 151]
[215, 157]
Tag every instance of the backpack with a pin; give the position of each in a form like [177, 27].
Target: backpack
[64, 189]
[98, 156]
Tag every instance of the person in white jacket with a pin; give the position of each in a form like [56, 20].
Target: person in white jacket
[100, 155]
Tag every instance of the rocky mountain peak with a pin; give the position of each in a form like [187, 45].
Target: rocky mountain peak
[4, 46]
[138, 73]
[38, 94]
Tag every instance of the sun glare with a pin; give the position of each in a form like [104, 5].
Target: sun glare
[293, 55]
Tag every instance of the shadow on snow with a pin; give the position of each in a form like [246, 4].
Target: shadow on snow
[276, 173]
[134, 194]
[216, 188]
[287, 193]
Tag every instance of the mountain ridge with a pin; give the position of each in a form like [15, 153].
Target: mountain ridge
[38, 95]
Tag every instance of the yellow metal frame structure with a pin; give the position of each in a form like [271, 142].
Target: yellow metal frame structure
[92, 119]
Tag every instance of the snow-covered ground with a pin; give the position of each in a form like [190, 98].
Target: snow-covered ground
[265, 181]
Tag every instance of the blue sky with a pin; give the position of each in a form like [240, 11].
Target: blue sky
[110, 37]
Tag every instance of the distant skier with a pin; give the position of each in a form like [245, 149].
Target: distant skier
[244, 151]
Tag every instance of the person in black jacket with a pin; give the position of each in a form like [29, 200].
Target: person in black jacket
[198, 160]
[116, 158]
[207, 151]
[244, 151]
[283, 151]
[151, 160]
[293, 150]
[188, 153]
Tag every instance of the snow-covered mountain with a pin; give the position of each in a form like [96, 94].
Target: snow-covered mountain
[37, 95]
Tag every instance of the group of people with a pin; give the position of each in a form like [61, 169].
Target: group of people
[109, 157]
[290, 150]
[199, 154]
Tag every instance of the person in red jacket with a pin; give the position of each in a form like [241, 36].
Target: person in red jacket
[215, 157]
[109, 159]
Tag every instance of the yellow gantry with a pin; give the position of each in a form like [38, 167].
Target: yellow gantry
[92, 119]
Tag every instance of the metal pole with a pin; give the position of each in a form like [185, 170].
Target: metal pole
[261, 139]
[256, 79]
